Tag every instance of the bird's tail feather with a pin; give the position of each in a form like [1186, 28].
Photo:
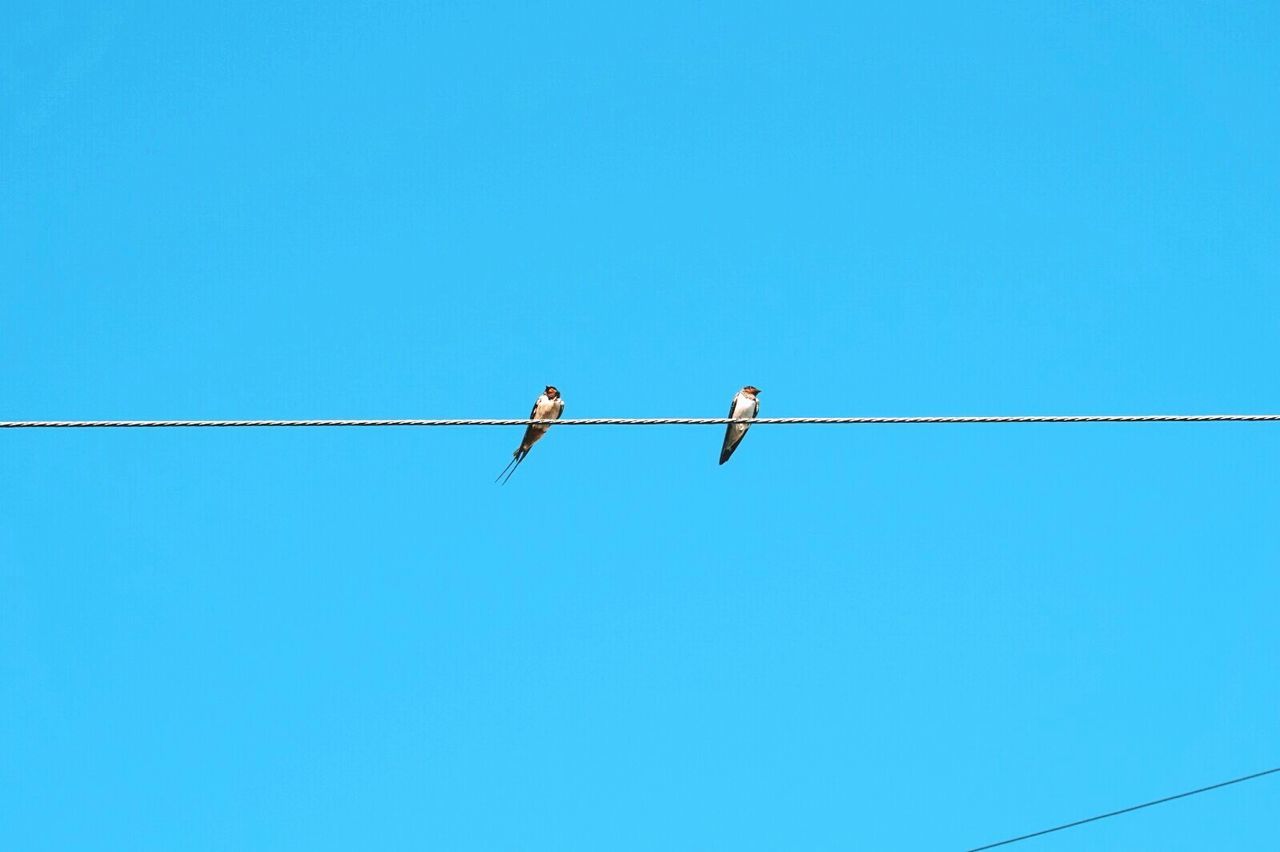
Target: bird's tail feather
[516, 458]
[513, 470]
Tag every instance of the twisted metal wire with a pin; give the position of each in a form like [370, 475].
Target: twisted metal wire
[1127, 810]
[652, 421]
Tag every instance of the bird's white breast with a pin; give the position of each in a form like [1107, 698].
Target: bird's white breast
[547, 409]
[743, 406]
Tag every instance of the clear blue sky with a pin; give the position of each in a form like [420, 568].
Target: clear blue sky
[845, 638]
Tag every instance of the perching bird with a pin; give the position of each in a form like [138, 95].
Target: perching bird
[549, 406]
[744, 406]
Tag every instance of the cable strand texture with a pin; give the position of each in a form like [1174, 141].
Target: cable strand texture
[648, 421]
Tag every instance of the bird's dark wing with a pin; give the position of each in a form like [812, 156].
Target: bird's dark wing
[730, 444]
[530, 434]
[731, 439]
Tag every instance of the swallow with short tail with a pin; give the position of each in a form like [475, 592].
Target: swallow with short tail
[745, 406]
[549, 406]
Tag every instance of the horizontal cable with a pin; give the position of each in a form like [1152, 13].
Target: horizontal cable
[652, 421]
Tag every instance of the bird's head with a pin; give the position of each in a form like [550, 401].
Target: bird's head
[551, 392]
[751, 390]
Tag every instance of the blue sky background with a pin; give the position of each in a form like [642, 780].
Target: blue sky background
[845, 638]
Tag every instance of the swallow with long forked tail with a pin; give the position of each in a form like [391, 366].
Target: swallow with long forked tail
[745, 406]
[549, 406]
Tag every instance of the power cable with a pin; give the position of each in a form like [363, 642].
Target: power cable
[1126, 810]
[651, 421]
